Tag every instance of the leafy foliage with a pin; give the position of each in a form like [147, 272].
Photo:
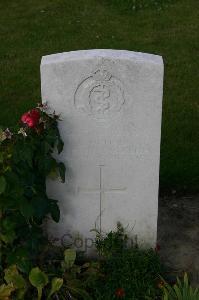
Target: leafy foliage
[13, 277]
[115, 241]
[26, 159]
[30, 266]
[180, 291]
[127, 272]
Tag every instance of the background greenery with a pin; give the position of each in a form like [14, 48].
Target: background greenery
[32, 28]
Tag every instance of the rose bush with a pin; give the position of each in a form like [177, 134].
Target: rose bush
[26, 160]
[30, 266]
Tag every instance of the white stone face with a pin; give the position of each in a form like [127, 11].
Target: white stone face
[110, 103]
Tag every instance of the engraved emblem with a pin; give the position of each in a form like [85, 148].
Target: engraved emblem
[100, 93]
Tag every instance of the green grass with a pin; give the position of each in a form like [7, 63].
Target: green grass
[30, 29]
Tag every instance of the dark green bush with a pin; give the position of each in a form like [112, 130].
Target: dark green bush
[132, 273]
[25, 162]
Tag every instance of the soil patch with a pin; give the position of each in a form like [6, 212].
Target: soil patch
[178, 235]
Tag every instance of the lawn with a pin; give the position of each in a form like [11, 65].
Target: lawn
[30, 29]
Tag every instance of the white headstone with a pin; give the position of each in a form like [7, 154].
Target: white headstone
[110, 103]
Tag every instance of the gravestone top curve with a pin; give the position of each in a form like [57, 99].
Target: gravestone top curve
[113, 54]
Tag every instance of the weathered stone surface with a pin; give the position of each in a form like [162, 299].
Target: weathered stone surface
[110, 103]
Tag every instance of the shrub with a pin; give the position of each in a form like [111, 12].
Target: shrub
[30, 267]
[25, 162]
[125, 272]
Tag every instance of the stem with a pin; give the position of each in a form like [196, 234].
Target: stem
[39, 289]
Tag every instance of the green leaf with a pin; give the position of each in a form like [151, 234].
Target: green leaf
[178, 292]
[21, 258]
[24, 265]
[196, 292]
[186, 281]
[47, 147]
[165, 296]
[55, 211]
[23, 152]
[2, 184]
[26, 209]
[38, 279]
[62, 170]
[8, 237]
[12, 276]
[56, 286]
[41, 206]
[5, 291]
[69, 258]
[60, 145]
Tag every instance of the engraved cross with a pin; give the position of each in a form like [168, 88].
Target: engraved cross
[101, 190]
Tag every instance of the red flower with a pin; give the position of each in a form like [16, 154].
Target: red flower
[24, 117]
[157, 248]
[120, 293]
[31, 118]
[35, 114]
